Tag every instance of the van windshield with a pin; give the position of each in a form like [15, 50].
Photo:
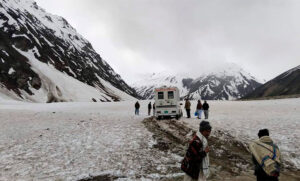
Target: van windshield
[170, 95]
[160, 95]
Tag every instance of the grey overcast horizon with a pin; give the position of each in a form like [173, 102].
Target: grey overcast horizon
[146, 36]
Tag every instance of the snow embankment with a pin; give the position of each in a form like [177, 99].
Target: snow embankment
[64, 88]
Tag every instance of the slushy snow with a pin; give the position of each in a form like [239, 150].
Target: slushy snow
[70, 141]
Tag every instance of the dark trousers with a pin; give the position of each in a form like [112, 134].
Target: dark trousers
[137, 111]
[206, 114]
[188, 113]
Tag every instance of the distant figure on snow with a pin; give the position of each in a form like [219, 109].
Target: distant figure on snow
[153, 109]
[187, 107]
[149, 108]
[205, 109]
[266, 157]
[199, 109]
[137, 108]
[195, 164]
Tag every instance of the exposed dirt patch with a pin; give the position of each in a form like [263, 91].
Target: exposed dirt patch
[230, 159]
[106, 177]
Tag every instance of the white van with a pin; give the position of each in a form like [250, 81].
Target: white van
[167, 102]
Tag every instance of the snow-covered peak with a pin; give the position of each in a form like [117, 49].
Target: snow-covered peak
[35, 39]
[159, 79]
[225, 81]
[56, 24]
[222, 70]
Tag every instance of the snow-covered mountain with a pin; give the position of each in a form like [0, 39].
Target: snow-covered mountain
[287, 83]
[44, 59]
[225, 82]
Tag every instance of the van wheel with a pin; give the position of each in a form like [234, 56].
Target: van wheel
[177, 116]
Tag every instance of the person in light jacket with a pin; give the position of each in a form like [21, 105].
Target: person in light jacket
[266, 157]
[199, 109]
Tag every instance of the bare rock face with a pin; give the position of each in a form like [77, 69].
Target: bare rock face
[28, 33]
[287, 83]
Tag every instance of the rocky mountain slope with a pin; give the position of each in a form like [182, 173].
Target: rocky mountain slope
[287, 83]
[225, 82]
[44, 59]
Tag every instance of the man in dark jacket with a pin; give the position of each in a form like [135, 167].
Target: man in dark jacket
[137, 108]
[187, 107]
[153, 109]
[196, 161]
[205, 109]
[149, 108]
[265, 146]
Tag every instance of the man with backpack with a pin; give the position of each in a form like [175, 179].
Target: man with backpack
[196, 161]
[266, 157]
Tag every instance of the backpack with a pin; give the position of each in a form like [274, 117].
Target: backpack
[267, 156]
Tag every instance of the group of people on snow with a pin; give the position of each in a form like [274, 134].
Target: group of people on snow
[137, 108]
[150, 107]
[265, 156]
[196, 165]
[199, 109]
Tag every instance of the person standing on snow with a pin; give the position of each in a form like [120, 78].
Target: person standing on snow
[153, 109]
[266, 157]
[137, 108]
[187, 107]
[195, 164]
[205, 109]
[149, 108]
[199, 109]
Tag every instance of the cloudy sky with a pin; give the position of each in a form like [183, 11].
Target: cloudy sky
[145, 36]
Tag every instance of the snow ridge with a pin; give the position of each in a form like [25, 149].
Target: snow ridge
[225, 82]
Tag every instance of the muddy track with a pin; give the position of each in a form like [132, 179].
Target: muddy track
[230, 159]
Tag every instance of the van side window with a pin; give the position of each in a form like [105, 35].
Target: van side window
[170, 95]
[160, 95]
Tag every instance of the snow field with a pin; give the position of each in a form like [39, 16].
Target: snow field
[69, 141]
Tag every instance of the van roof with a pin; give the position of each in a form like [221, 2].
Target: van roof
[166, 89]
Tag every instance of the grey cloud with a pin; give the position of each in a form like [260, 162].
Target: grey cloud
[261, 35]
